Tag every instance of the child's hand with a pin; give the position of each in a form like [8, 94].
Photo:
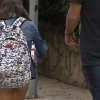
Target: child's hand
[34, 49]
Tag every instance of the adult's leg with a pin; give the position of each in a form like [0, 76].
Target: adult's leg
[91, 71]
[19, 94]
[6, 94]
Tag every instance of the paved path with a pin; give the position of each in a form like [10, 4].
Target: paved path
[50, 89]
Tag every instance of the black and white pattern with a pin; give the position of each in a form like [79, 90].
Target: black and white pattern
[15, 58]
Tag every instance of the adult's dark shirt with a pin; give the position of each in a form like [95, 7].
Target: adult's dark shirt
[90, 20]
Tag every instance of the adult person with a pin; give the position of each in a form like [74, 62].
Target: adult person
[89, 10]
[10, 10]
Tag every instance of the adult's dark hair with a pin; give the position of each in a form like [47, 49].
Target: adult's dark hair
[11, 7]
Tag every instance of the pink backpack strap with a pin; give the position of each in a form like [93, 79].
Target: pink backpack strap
[19, 21]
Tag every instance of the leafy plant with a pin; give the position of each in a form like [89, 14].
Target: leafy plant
[53, 11]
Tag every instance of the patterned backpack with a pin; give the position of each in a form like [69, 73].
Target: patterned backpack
[15, 58]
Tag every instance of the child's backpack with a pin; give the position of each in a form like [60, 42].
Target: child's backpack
[15, 58]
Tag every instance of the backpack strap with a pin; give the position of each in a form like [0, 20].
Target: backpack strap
[2, 24]
[19, 21]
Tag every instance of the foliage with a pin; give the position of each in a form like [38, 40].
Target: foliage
[26, 4]
[53, 11]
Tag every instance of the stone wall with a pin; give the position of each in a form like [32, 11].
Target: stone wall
[62, 62]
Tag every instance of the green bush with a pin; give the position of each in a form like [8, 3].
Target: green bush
[26, 4]
[53, 11]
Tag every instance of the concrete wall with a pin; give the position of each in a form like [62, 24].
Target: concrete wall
[62, 62]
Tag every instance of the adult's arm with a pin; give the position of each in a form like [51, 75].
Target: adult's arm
[73, 16]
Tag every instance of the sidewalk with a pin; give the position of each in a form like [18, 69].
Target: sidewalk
[50, 89]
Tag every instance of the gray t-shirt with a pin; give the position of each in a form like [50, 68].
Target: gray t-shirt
[90, 20]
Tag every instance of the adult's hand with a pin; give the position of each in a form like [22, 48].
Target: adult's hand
[69, 39]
